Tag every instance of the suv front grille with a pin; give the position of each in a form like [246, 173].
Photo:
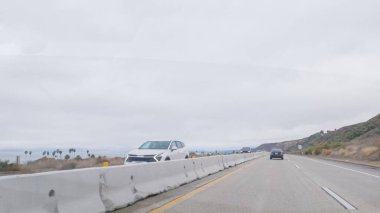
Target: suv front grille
[146, 158]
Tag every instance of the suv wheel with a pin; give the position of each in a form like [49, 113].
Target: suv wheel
[167, 159]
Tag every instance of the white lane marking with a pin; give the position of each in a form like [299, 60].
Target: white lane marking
[293, 163]
[340, 200]
[341, 167]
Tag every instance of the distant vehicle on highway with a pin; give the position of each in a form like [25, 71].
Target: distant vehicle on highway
[154, 151]
[245, 150]
[277, 153]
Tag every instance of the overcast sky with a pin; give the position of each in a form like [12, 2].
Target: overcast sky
[214, 74]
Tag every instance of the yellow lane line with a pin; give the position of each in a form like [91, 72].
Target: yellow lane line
[199, 189]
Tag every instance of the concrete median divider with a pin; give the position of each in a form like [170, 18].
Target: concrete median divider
[65, 191]
[229, 160]
[159, 177]
[124, 185]
[212, 164]
[98, 190]
[205, 166]
[240, 158]
[249, 156]
[116, 187]
[199, 168]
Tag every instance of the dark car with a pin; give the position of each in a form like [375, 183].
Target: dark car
[277, 153]
[245, 150]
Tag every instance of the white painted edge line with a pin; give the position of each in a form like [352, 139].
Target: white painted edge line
[341, 167]
[340, 200]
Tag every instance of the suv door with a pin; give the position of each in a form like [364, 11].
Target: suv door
[181, 154]
[185, 151]
[174, 155]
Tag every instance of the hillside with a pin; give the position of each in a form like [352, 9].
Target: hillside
[359, 141]
[265, 147]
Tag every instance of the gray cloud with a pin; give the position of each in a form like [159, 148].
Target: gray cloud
[211, 73]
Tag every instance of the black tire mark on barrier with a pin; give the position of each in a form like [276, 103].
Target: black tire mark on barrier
[133, 188]
[195, 170]
[52, 205]
[203, 169]
[220, 164]
[103, 190]
[184, 168]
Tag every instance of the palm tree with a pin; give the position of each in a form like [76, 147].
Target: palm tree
[71, 150]
[26, 157]
[56, 152]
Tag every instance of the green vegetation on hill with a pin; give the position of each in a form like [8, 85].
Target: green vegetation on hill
[360, 141]
[265, 147]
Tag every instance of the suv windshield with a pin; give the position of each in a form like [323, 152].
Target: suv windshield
[155, 145]
[276, 150]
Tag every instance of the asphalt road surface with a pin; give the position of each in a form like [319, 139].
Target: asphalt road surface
[295, 184]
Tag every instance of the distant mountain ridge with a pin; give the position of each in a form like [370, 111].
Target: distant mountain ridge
[359, 141]
[265, 147]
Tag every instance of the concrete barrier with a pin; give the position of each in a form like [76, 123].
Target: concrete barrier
[229, 160]
[99, 190]
[199, 168]
[116, 187]
[205, 166]
[212, 164]
[65, 191]
[155, 178]
[240, 158]
[124, 185]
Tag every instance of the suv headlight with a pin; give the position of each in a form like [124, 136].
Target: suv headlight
[126, 159]
[158, 157]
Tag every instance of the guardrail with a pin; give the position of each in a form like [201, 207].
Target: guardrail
[99, 190]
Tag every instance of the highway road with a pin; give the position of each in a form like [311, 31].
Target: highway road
[296, 184]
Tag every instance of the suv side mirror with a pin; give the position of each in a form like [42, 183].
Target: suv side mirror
[174, 148]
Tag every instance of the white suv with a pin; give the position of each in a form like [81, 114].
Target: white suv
[154, 151]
